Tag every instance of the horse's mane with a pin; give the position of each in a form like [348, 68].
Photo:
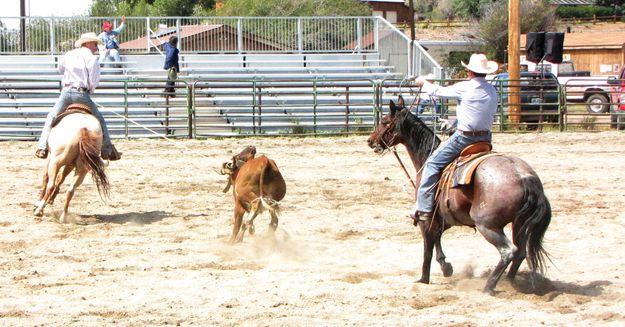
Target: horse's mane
[420, 139]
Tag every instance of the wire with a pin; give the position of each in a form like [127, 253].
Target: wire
[155, 133]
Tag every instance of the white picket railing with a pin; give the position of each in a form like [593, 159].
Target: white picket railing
[144, 35]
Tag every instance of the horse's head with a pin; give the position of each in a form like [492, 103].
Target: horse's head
[228, 167]
[387, 134]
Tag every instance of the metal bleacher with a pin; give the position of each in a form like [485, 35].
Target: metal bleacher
[217, 94]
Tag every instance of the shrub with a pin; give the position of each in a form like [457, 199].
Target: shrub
[583, 11]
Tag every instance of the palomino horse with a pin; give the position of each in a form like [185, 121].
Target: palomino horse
[504, 190]
[74, 145]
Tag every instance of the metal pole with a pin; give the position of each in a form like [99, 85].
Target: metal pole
[239, 35]
[23, 25]
[359, 34]
[300, 41]
[52, 38]
[375, 37]
[514, 61]
[412, 36]
[147, 34]
[178, 34]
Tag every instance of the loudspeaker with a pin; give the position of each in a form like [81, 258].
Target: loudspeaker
[554, 44]
[534, 46]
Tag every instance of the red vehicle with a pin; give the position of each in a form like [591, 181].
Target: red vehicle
[618, 100]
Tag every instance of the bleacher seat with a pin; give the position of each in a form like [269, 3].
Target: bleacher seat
[229, 89]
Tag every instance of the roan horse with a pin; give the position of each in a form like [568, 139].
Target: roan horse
[74, 145]
[504, 190]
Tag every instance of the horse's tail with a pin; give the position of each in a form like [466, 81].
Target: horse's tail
[534, 218]
[89, 154]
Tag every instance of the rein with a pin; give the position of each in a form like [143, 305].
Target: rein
[404, 168]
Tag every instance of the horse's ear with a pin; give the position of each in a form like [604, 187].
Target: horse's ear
[400, 101]
[391, 106]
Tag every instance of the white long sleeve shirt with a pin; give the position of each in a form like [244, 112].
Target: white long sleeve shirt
[478, 102]
[80, 69]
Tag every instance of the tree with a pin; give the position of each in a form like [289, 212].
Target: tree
[618, 5]
[470, 9]
[294, 8]
[536, 15]
[150, 7]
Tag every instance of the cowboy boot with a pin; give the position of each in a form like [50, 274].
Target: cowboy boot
[113, 156]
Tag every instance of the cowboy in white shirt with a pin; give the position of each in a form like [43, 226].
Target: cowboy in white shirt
[81, 75]
[475, 113]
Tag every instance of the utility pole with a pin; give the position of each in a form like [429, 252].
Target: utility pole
[411, 69]
[23, 25]
[514, 61]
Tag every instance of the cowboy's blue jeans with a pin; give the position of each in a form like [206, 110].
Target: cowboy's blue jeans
[434, 165]
[69, 96]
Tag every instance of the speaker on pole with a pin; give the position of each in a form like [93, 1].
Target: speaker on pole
[534, 46]
[554, 44]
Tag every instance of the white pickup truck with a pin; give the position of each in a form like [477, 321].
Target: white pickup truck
[578, 86]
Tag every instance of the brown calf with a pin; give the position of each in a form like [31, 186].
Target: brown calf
[257, 186]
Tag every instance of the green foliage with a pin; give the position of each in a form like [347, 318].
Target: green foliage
[107, 8]
[617, 5]
[234, 8]
[453, 63]
[470, 9]
[583, 11]
[537, 15]
[277, 8]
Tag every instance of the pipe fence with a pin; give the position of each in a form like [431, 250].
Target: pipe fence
[226, 108]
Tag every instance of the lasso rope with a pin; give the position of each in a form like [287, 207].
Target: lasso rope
[155, 133]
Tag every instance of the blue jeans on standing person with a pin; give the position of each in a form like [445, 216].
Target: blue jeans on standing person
[434, 165]
[110, 53]
[69, 96]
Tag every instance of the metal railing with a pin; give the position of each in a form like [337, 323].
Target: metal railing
[395, 47]
[54, 35]
[144, 35]
[206, 108]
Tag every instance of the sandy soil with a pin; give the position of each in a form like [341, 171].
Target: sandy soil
[344, 253]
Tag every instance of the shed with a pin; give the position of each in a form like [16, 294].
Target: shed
[204, 38]
[601, 53]
[395, 11]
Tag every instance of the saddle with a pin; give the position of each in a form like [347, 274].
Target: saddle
[460, 171]
[72, 109]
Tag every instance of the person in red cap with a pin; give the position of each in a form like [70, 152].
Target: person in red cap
[109, 47]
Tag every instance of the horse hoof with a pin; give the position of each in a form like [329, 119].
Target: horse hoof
[448, 270]
[251, 229]
[37, 212]
[489, 291]
[424, 280]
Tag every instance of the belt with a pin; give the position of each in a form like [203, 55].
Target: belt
[474, 133]
[80, 89]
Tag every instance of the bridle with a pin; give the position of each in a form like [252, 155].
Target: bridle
[393, 148]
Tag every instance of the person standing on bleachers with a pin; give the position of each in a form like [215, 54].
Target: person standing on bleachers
[109, 47]
[171, 65]
[81, 76]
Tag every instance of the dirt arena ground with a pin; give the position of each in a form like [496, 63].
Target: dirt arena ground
[344, 253]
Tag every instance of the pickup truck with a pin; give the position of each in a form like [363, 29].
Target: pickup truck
[618, 100]
[539, 92]
[578, 86]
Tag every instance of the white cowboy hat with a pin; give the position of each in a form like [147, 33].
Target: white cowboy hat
[480, 64]
[87, 37]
